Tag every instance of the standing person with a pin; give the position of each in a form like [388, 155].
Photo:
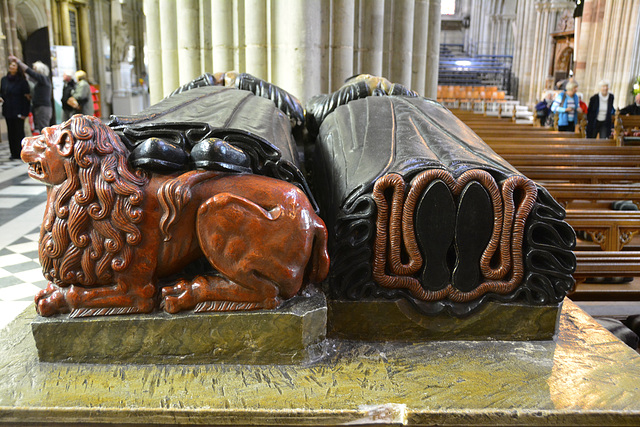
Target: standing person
[82, 95]
[600, 112]
[543, 108]
[632, 109]
[567, 106]
[67, 90]
[14, 91]
[41, 100]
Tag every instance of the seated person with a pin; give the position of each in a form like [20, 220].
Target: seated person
[632, 109]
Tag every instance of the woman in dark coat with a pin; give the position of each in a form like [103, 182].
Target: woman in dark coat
[599, 112]
[14, 91]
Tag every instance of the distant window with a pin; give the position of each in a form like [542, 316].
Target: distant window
[448, 7]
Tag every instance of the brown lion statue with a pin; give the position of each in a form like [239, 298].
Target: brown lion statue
[117, 240]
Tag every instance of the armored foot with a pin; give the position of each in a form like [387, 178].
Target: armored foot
[214, 293]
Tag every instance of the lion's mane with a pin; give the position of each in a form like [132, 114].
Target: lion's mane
[91, 225]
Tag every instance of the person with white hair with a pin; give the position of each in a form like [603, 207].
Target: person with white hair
[42, 92]
[600, 111]
[543, 108]
[567, 106]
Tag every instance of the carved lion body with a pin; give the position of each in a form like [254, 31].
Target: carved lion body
[112, 236]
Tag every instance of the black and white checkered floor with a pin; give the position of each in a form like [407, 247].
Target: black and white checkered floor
[22, 204]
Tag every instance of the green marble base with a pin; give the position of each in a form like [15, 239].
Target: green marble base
[294, 333]
[382, 320]
[585, 377]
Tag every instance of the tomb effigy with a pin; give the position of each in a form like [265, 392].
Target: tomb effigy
[420, 209]
[188, 246]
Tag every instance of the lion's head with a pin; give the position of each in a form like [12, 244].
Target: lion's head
[93, 201]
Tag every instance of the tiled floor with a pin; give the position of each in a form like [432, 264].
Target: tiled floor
[22, 202]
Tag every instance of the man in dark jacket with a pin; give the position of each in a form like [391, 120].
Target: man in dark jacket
[67, 90]
[632, 109]
[599, 112]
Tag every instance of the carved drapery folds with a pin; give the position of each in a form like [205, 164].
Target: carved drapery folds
[418, 207]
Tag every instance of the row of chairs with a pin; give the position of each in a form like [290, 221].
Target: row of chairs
[470, 93]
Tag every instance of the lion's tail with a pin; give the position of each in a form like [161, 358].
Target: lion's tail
[319, 262]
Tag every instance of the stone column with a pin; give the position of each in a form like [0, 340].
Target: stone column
[485, 36]
[189, 66]
[239, 63]
[101, 68]
[534, 60]
[85, 41]
[3, 53]
[65, 23]
[433, 50]
[372, 37]
[623, 74]
[491, 48]
[325, 46]
[624, 97]
[538, 73]
[154, 49]
[518, 37]
[402, 42]
[527, 57]
[296, 53]
[343, 16]
[609, 42]
[222, 35]
[581, 54]
[169, 43]
[255, 19]
[56, 38]
[206, 53]
[387, 38]
[12, 30]
[419, 60]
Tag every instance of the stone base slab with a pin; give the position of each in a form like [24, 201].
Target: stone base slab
[585, 377]
[294, 333]
[397, 320]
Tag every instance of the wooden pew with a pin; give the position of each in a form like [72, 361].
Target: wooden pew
[607, 264]
[569, 192]
[582, 174]
[572, 149]
[611, 230]
[498, 140]
[571, 160]
[587, 170]
[625, 124]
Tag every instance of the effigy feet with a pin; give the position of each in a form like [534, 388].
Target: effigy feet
[214, 293]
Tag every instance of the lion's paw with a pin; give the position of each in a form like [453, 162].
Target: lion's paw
[51, 301]
[178, 297]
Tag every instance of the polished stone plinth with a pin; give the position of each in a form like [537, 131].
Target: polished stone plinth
[294, 333]
[384, 320]
[585, 377]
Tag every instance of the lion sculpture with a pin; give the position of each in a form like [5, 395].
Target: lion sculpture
[118, 240]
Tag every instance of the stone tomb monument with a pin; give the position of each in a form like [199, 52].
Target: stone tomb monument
[193, 277]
